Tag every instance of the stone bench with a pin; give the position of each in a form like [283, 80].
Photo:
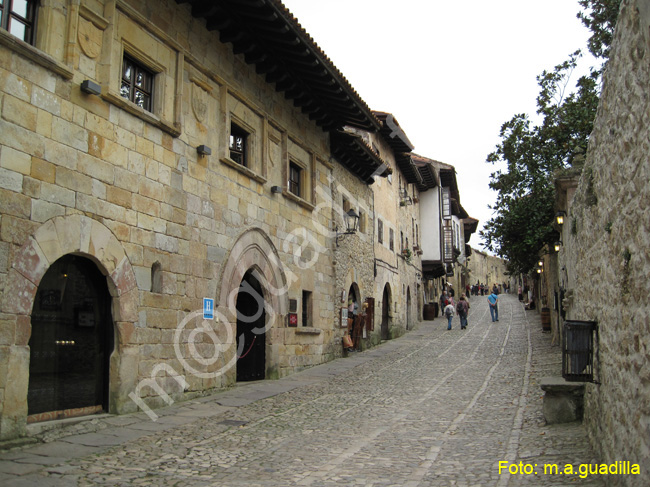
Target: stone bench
[563, 401]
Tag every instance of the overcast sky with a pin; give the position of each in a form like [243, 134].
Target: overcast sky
[450, 72]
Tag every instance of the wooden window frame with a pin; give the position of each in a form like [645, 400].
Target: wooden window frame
[295, 183]
[240, 157]
[148, 90]
[8, 16]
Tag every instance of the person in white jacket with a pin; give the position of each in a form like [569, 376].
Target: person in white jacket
[449, 313]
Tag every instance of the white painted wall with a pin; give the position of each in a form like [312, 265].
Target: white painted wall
[430, 224]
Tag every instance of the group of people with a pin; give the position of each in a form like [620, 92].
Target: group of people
[451, 308]
[480, 289]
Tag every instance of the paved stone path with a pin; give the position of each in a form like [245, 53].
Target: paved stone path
[433, 408]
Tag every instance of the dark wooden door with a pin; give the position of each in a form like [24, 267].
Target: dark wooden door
[385, 311]
[251, 334]
[71, 341]
[370, 314]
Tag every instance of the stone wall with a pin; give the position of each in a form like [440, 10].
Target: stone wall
[353, 254]
[487, 269]
[606, 237]
[99, 177]
[397, 273]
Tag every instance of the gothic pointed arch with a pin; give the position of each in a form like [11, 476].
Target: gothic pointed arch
[254, 250]
[254, 254]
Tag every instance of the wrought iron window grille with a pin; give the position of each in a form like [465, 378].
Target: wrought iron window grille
[578, 343]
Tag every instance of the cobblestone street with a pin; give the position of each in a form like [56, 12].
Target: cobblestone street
[433, 408]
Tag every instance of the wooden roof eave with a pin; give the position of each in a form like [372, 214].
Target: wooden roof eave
[352, 151]
[409, 169]
[265, 31]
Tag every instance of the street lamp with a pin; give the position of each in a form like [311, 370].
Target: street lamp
[351, 225]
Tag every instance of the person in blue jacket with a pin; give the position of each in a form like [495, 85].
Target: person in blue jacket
[493, 301]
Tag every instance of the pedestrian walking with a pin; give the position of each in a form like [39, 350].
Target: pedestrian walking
[462, 308]
[449, 313]
[443, 302]
[493, 301]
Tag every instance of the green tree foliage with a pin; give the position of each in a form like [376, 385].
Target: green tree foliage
[524, 210]
[600, 18]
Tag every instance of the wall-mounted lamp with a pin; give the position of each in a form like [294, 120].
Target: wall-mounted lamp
[90, 87]
[558, 245]
[351, 225]
[540, 263]
[276, 189]
[204, 150]
[559, 217]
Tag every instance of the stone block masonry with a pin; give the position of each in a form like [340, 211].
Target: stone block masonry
[100, 178]
[607, 236]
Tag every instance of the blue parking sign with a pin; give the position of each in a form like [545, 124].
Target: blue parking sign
[208, 308]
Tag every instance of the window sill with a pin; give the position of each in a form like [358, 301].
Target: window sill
[297, 199]
[243, 169]
[35, 55]
[308, 330]
[148, 117]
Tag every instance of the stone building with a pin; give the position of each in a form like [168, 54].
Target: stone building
[488, 269]
[397, 260]
[603, 264]
[162, 162]
[387, 278]
[353, 255]
[190, 195]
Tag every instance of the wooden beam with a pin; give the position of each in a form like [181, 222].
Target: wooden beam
[266, 66]
[243, 46]
[256, 56]
[231, 35]
[286, 84]
[217, 22]
[276, 76]
[205, 9]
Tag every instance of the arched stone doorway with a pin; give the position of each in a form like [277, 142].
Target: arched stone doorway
[251, 329]
[71, 342]
[354, 300]
[84, 237]
[408, 308]
[253, 263]
[385, 312]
